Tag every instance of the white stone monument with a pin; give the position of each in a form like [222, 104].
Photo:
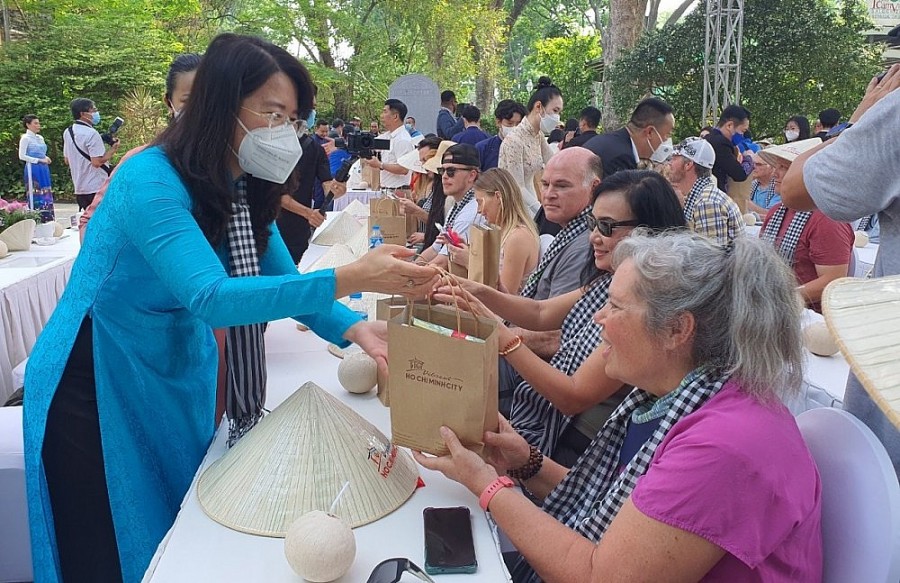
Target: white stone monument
[422, 98]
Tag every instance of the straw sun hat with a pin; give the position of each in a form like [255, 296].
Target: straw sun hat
[863, 315]
[297, 459]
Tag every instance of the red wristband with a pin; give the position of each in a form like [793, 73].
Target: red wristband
[492, 489]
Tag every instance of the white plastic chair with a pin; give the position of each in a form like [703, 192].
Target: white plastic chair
[545, 239]
[15, 544]
[860, 498]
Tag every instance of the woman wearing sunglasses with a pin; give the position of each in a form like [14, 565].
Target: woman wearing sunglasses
[561, 405]
[701, 474]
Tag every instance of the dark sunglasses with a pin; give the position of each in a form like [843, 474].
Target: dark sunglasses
[452, 170]
[390, 571]
[606, 226]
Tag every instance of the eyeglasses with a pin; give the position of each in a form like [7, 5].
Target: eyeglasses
[606, 226]
[276, 119]
[390, 571]
[452, 170]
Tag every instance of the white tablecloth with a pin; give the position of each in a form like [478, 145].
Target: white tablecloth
[200, 549]
[362, 196]
[31, 283]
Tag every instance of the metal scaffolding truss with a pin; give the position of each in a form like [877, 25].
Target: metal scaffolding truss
[722, 57]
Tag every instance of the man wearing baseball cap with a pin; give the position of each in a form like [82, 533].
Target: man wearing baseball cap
[458, 171]
[707, 210]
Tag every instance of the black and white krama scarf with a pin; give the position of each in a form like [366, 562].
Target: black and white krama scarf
[593, 492]
[534, 417]
[574, 229]
[458, 207]
[245, 347]
[788, 245]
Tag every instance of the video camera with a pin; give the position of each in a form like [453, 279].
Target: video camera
[110, 136]
[364, 144]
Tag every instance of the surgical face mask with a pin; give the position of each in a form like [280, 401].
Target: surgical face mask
[269, 153]
[737, 139]
[549, 122]
[95, 117]
[791, 135]
[311, 120]
[662, 152]
[504, 131]
[409, 128]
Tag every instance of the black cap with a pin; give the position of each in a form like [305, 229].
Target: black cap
[462, 154]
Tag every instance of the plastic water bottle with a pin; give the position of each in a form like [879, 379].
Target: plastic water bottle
[357, 305]
[375, 239]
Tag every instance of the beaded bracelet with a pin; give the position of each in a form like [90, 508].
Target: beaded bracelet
[531, 467]
[513, 345]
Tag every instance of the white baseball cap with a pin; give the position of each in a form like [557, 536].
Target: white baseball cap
[697, 150]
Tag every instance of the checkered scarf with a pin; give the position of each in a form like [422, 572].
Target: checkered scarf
[768, 191]
[593, 492]
[788, 245]
[459, 206]
[702, 184]
[245, 347]
[574, 229]
[865, 223]
[534, 417]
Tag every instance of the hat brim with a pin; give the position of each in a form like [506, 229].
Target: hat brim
[863, 315]
[411, 161]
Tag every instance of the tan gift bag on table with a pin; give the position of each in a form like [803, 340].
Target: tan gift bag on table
[484, 255]
[740, 192]
[440, 380]
[385, 212]
[371, 175]
[386, 309]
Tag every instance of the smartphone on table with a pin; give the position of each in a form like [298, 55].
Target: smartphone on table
[449, 547]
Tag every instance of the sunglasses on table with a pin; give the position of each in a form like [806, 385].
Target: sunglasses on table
[606, 226]
[390, 571]
[452, 170]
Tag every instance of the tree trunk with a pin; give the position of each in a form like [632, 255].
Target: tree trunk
[626, 22]
[485, 84]
[682, 8]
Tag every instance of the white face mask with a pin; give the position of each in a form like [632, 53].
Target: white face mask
[791, 135]
[504, 131]
[663, 152]
[549, 122]
[269, 154]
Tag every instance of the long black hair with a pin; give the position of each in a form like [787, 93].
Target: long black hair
[802, 125]
[183, 63]
[199, 145]
[651, 199]
[435, 214]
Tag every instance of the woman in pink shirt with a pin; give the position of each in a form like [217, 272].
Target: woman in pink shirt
[701, 474]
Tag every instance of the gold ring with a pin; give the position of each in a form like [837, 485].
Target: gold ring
[410, 283]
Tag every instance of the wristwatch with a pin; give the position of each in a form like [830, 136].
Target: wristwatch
[492, 489]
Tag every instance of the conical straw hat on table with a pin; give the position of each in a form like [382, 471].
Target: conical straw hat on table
[358, 210]
[297, 459]
[339, 230]
[337, 256]
[863, 315]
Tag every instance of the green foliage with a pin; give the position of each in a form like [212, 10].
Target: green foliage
[798, 57]
[564, 60]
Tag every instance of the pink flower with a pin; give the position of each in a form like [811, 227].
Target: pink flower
[3, 205]
[15, 206]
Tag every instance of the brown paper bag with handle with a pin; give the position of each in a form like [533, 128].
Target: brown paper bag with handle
[385, 212]
[439, 380]
[484, 255]
[386, 309]
[371, 175]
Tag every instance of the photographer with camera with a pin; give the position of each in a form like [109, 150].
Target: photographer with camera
[84, 152]
[393, 175]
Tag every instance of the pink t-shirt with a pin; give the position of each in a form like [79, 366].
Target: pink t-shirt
[737, 473]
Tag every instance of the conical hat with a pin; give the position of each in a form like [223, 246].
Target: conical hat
[338, 256]
[297, 459]
[359, 243]
[339, 230]
[864, 317]
[357, 209]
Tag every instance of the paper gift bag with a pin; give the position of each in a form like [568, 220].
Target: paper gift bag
[458, 270]
[385, 310]
[484, 255]
[371, 175]
[440, 380]
[385, 212]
